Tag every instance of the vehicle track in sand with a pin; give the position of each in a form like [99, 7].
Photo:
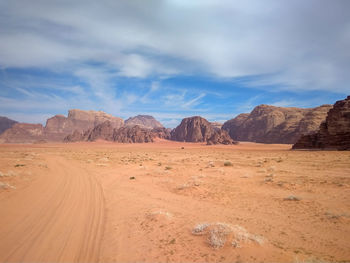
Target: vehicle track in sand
[58, 218]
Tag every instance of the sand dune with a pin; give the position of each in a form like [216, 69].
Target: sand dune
[107, 202]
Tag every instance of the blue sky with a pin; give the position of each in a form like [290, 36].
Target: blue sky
[171, 59]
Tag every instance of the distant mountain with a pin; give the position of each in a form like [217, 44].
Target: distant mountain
[143, 121]
[198, 129]
[270, 124]
[334, 133]
[6, 123]
[58, 127]
[125, 134]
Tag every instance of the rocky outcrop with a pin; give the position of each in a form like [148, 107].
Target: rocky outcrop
[270, 124]
[198, 129]
[143, 121]
[23, 133]
[126, 134]
[6, 123]
[59, 126]
[334, 133]
[216, 125]
[220, 137]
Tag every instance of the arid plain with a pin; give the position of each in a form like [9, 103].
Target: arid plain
[173, 202]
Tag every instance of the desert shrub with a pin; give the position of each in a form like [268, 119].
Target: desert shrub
[227, 163]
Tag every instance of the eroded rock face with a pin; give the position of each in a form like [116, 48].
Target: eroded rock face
[59, 126]
[270, 124]
[193, 129]
[334, 133]
[198, 129]
[143, 121]
[216, 125]
[6, 123]
[23, 133]
[126, 134]
[220, 137]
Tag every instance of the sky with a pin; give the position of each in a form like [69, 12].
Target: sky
[171, 58]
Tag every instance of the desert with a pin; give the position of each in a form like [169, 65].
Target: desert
[174, 131]
[173, 202]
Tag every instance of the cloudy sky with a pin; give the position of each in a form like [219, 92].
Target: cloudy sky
[171, 58]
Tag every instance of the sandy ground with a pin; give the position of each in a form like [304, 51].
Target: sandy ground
[173, 202]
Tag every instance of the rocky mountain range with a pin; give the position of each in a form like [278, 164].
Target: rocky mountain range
[265, 124]
[334, 133]
[198, 129]
[6, 123]
[143, 121]
[126, 134]
[58, 127]
[270, 124]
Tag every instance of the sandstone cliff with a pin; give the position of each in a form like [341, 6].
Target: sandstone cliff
[59, 126]
[334, 133]
[6, 123]
[143, 121]
[23, 133]
[198, 129]
[270, 124]
[126, 134]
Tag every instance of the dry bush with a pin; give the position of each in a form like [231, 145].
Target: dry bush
[218, 234]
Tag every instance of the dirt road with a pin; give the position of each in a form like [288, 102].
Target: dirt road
[58, 218]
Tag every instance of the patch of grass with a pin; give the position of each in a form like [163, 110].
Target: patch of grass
[227, 163]
[168, 168]
[19, 165]
[132, 178]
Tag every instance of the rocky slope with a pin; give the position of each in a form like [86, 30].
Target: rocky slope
[23, 133]
[334, 133]
[59, 126]
[198, 129]
[6, 123]
[126, 134]
[143, 121]
[270, 124]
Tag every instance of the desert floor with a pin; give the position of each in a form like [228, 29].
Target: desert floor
[173, 202]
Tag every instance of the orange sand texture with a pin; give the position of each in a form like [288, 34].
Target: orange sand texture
[173, 202]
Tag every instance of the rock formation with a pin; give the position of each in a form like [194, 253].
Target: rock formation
[126, 134]
[23, 133]
[334, 133]
[6, 123]
[270, 124]
[198, 129]
[220, 137]
[59, 126]
[216, 125]
[143, 121]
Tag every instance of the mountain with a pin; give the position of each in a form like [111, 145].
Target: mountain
[270, 124]
[334, 133]
[59, 126]
[143, 121]
[6, 123]
[23, 133]
[125, 134]
[198, 129]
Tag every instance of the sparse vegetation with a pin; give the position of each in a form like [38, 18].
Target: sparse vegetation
[168, 168]
[19, 165]
[132, 178]
[292, 198]
[227, 163]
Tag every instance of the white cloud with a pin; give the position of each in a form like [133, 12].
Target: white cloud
[300, 46]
